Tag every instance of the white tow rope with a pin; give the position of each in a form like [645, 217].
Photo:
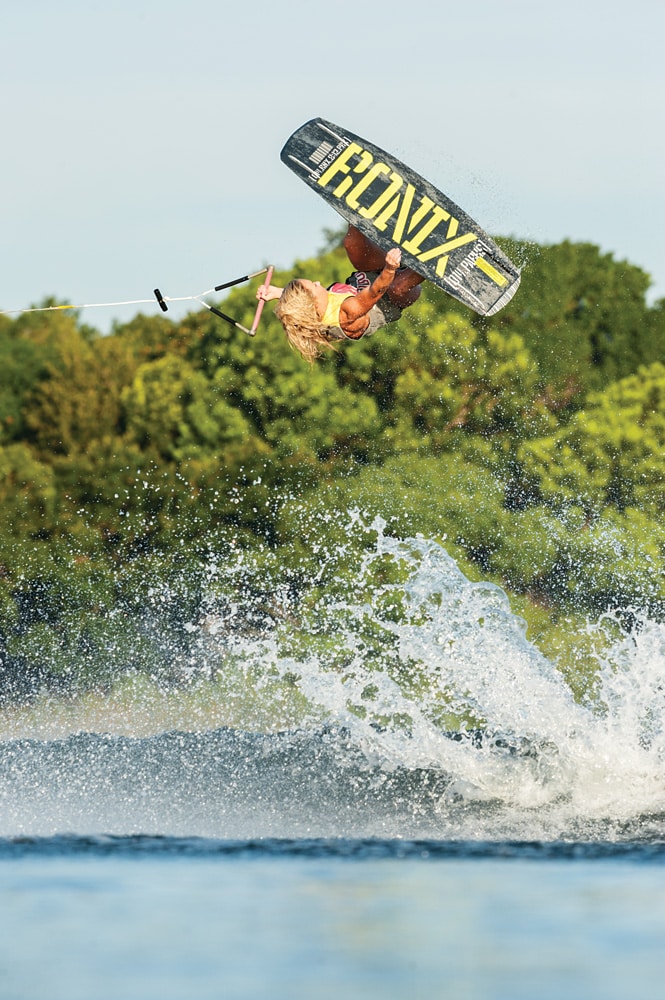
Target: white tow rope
[163, 300]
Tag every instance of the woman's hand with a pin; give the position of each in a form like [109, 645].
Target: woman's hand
[393, 258]
[269, 293]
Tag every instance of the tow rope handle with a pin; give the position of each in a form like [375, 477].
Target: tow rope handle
[268, 271]
[259, 309]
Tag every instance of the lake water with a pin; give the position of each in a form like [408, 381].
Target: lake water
[174, 919]
[367, 851]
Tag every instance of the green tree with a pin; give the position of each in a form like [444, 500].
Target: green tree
[584, 317]
[28, 494]
[173, 412]
[23, 363]
[79, 401]
[611, 453]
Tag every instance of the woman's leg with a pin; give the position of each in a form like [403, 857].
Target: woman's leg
[365, 256]
[362, 253]
[405, 289]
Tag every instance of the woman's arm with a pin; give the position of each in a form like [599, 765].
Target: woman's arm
[357, 306]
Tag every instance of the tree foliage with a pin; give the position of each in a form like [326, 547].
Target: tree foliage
[533, 442]
[583, 316]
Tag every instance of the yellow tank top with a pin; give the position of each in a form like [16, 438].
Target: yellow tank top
[331, 315]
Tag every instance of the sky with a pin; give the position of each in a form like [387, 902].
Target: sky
[141, 139]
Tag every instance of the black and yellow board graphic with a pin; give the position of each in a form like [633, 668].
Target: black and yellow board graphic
[393, 206]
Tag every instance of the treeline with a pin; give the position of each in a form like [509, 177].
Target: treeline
[532, 441]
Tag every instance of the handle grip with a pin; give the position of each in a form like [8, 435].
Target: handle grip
[237, 281]
[259, 308]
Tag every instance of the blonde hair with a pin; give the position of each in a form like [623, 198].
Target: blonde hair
[296, 311]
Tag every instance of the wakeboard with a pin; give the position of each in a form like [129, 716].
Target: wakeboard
[393, 206]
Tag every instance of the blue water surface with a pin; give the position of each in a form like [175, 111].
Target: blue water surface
[170, 919]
